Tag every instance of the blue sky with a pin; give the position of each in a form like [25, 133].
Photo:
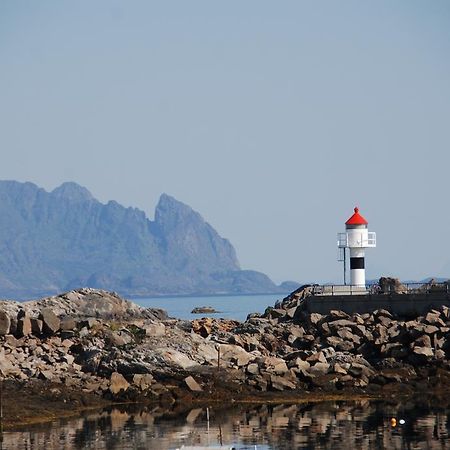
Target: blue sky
[273, 120]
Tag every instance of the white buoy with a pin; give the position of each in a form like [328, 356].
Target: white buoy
[356, 238]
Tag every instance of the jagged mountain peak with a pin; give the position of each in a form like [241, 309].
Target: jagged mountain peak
[72, 191]
[170, 212]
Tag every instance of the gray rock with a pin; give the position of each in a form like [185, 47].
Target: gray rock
[320, 368]
[51, 322]
[5, 323]
[423, 352]
[192, 384]
[275, 365]
[143, 381]
[87, 323]
[430, 329]
[36, 326]
[68, 324]
[340, 323]
[253, 369]
[69, 359]
[23, 326]
[358, 370]
[347, 335]
[434, 319]
[423, 341]
[301, 364]
[154, 329]
[315, 318]
[316, 358]
[47, 375]
[118, 338]
[339, 344]
[281, 383]
[118, 383]
[338, 368]
[337, 314]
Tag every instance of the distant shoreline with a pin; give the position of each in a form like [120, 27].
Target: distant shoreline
[138, 297]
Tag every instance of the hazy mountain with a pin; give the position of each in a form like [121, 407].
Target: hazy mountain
[51, 242]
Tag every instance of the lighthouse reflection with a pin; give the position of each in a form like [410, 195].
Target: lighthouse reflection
[338, 425]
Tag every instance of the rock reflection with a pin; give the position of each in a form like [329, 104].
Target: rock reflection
[347, 425]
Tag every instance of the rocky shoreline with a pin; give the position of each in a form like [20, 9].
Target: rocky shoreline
[89, 348]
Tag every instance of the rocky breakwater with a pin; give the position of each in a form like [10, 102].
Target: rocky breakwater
[94, 342]
[375, 353]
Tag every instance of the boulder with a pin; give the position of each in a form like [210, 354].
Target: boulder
[359, 370]
[252, 369]
[388, 285]
[338, 314]
[430, 329]
[235, 354]
[274, 365]
[319, 369]
[421, 355]
[347, 335]
[154, 329]
[143, 381]
[433, 318]
[118, 338]
[192, 384]
[118, 383]
[281, 383]
[318, 357]
[339, 344]
[36, 326]
[340, 323]
[175, 358]
[301, 364]
[23, 326]
[68, 324]
[5, 323]
[423, 341]
[88, 323]
[338, 368]
[315, 318]
[51, 322]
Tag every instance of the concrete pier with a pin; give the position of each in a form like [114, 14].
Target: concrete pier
[405, 304]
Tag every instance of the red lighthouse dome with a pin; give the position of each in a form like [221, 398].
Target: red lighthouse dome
[356, 219]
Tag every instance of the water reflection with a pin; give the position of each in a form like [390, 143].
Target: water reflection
[326, 425]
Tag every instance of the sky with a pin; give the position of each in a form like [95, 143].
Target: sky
[272, 119]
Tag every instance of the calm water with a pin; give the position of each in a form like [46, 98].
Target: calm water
[327, 425]
[230, 306]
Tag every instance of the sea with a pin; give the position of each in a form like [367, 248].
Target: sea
[235, 307]
[339, 425]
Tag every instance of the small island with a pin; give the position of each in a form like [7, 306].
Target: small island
[204, 310]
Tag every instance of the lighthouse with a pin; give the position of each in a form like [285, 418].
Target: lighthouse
[356, 238]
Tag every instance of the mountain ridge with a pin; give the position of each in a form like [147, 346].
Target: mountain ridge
[65, 239]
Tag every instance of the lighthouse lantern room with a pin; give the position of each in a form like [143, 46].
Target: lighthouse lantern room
[356, 238]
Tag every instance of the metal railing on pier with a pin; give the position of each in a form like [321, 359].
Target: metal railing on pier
[381, 289]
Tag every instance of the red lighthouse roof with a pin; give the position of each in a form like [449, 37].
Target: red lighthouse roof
[356, 219]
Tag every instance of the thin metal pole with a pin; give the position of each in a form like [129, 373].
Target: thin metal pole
[345, 266]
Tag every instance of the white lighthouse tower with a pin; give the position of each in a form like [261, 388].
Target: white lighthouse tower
[357, 238]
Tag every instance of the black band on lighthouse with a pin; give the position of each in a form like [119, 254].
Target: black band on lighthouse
[357, 263]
